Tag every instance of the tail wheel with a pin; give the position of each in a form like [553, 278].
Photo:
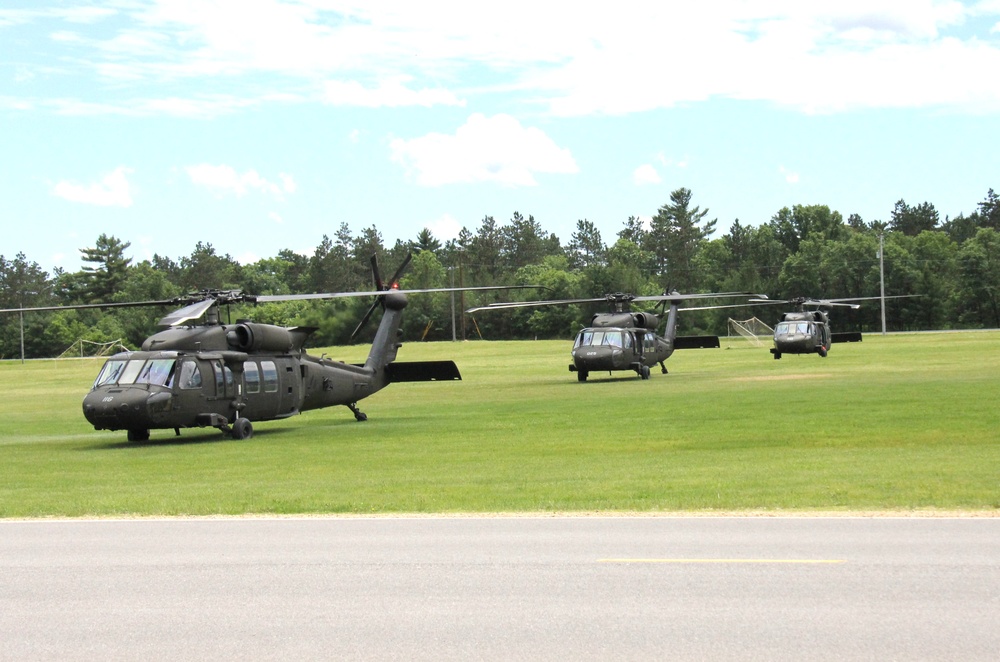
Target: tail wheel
[242, 429]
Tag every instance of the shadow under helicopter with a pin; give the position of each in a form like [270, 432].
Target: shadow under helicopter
[189, 438]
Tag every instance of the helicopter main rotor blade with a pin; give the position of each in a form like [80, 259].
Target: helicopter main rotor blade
[733, 305]
[675, 296]
[187, 313]
[84, 306]
[375, 293]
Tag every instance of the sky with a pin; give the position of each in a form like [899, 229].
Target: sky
[261, 125]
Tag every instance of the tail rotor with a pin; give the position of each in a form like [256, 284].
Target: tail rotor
[381, 287]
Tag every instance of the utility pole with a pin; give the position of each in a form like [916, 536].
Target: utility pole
[881, 276]
[451, 271]
[461, 283]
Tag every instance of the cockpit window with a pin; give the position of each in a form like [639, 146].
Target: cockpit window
[789, 328]
[110, 373]
[615, 338]
[157, 371]
[117, 371]
[131, 371]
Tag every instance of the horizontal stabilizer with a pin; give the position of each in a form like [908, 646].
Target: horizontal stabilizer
[846, 336]
[422, 371]
[695, 342]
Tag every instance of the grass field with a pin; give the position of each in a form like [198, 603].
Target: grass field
[899, 423]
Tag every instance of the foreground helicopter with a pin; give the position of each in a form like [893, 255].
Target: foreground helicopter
[228, 376]
[622, 339]
[808, 331]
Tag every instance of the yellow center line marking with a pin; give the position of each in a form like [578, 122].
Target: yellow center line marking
[786, 561]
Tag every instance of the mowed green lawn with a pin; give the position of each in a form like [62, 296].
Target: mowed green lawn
[898, 423]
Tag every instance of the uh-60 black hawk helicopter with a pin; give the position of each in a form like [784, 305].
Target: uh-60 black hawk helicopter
[228, 376]
[808, 331]
[623, 339]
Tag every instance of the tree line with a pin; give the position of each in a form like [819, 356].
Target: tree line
[802, 251]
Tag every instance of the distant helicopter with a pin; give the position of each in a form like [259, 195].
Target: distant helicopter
[808, 331]
[622, 339]
[227, 376]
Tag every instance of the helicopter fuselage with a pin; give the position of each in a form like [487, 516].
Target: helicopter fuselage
[231, 375]
[804, 332]
[599, 349]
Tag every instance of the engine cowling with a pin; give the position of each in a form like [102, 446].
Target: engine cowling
[647, 321]
[250, 337]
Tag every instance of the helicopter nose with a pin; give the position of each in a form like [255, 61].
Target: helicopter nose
[118, 409]
[598, 358]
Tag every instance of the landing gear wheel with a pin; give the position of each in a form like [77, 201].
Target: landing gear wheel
[138, 435]
[822, 352]
[777, 355]
[644, 372]
[242, 429]
[359, 415]
[581, 376]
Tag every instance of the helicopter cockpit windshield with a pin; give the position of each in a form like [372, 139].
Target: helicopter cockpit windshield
[599, 337]
[793, 328]
[159, 372]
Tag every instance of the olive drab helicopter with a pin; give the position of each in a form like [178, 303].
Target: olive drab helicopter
[200, 372]
[623, 339]
[808, 331]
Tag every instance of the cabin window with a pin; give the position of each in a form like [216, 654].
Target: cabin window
[159, 372]
[649, 341]
[270, 376]
[220, 378]
[190, 375]
[251, 376]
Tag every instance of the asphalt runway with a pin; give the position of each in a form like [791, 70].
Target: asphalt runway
[545, 588]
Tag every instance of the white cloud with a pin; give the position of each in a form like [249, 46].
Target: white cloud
[274, 216]
[645, 174]
[112, 191]
[288, 184]
[249, 257]
[444, 228]
[224, 179]
[391, 94]
[495, 149]
[813, 57]
[790, 177]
